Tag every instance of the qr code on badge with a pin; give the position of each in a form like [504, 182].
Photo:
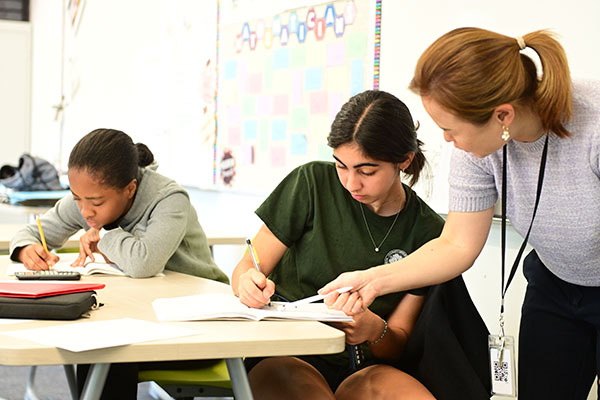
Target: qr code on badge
[501, 371]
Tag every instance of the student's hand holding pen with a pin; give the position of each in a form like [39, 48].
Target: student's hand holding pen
[35, 257]
[254, 289]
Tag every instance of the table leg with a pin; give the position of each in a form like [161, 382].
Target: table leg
[239, 379]
[71, 380]
[94, 383]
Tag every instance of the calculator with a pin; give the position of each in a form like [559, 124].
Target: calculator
[50, 275]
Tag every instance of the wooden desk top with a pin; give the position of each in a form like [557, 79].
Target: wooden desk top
[127, 297]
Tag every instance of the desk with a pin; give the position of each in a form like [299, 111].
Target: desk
[7, 231]
[126, 297]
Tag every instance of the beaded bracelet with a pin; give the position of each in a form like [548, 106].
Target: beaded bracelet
[385, 329]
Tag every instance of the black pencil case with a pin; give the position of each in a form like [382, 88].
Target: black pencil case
[61, 306]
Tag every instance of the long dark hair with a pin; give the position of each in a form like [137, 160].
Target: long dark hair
[382, 126]
[110, 156]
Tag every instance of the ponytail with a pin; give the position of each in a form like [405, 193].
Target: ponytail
[416, 166]
[553, 97]
[145, 156]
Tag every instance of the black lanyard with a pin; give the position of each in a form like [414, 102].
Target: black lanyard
[537, 200]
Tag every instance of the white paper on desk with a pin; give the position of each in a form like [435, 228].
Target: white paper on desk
[82, 336]
[10, 321]
[210, 306]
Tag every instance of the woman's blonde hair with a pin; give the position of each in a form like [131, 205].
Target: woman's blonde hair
[471, 71]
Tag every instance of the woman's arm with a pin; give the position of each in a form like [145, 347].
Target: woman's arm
[437, 261]
[252, 286]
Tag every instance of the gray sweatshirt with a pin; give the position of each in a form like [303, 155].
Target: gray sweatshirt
[160, 230]
[566, 230]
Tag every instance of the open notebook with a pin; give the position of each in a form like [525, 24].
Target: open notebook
[212, 306]
[97, 267]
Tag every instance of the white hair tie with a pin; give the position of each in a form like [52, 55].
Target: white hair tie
[521, 42]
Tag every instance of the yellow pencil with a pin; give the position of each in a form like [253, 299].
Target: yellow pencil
[39, 224]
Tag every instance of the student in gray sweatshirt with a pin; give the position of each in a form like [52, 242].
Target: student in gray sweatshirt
[486, 95]
[133, 216]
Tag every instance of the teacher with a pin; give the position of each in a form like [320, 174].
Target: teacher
[485, 94]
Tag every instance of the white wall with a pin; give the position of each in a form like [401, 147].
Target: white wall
[46, 18]
[15, 90]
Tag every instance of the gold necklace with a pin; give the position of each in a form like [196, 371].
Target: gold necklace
[369, 230]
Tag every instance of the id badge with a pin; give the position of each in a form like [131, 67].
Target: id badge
[502, 365]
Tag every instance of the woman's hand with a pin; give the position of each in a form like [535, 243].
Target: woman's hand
[88, 245]
[35, 257]
[361, 295]
[367, 326]
[254, 289]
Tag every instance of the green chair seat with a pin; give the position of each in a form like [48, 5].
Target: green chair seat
[211, 380]
[212, 375]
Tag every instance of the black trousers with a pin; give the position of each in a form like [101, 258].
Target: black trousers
[559, 354]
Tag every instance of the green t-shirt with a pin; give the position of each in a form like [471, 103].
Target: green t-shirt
[323, 227]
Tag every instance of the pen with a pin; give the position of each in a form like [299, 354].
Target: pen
[314, 298]
[253, 254]
[39, 224]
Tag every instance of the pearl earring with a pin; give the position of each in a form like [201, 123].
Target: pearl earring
[505, 133]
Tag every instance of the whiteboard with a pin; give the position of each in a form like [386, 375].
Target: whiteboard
[146, 67]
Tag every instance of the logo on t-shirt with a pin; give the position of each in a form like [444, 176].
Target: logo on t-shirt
[394, 255]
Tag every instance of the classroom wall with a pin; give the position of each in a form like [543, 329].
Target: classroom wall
[15, 90]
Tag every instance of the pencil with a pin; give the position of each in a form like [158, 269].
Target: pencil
[39, 224]
[253, 254]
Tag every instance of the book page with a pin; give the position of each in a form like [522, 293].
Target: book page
[64, 264]
[228, 306]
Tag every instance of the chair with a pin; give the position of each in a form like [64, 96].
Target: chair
[183, 384]
[209, 381]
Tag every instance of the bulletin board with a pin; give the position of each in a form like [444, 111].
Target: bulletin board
[283, 74]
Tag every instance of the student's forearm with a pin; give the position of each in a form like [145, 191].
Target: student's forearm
[391, 346]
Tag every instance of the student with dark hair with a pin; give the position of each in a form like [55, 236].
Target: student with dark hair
[325, 218]
[133, 216]
[491, 102]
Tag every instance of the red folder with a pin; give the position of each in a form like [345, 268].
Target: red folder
[43, 289]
